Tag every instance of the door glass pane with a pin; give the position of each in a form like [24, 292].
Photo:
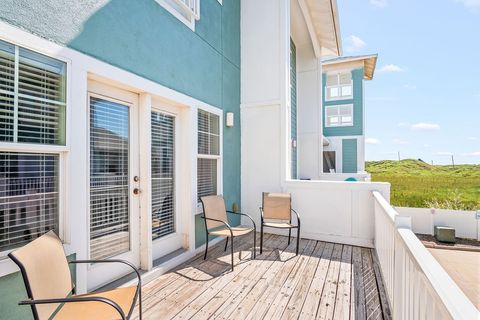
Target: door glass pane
[163, 174]
[109, 188]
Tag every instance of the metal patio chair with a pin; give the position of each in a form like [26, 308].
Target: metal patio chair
[216, 223]
[276, 212]
[51, 292]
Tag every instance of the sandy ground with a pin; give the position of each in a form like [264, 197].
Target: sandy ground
[464, 268]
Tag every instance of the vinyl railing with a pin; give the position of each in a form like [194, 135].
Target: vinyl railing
[417, 286]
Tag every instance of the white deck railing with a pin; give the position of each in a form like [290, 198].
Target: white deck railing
[417, 286]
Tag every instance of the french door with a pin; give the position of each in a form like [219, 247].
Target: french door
[166, 222]
[114, 194]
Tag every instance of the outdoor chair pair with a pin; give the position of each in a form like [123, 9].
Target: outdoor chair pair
[276, 212]
[51, 292]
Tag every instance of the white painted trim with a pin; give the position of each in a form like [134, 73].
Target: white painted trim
[311, 29]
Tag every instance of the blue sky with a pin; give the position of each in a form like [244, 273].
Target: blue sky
[424, 100]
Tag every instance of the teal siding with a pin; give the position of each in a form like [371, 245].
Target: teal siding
[143, 38]
[293, 104]
[357, 101]
[12, 290]
[349, 156]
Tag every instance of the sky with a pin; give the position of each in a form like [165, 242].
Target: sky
[424, 99]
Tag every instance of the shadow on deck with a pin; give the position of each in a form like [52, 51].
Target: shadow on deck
[325, 281]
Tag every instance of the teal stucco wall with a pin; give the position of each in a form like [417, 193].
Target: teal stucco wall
[349, 156]
[142, 37]
[357, 101]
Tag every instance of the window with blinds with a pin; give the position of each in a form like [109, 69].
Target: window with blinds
[208, 153]
[109, 169]
[339, 86]
[28, 197]
[163, 174]
[32, 97]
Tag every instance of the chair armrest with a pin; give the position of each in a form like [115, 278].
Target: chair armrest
[246, 215]
[112, 261]
[225, 223]
[298, 216]
[111, 303]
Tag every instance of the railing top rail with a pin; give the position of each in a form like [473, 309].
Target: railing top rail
[452, 297]
[387, 208]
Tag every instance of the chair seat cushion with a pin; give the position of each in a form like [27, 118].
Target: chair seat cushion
[279, 224]
[124, 297]
[237, 231]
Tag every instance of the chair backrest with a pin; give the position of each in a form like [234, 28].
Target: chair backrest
[277, 206]
[45, 271]
[214, 208]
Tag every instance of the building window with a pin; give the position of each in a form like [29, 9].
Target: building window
[32, 111]
[208, 153]
[339, 86]
[187, 11]
[329, 162]
[339, 116]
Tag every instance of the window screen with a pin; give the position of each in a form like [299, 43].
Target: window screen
[28, 197]
[208, 153]
[33, 103]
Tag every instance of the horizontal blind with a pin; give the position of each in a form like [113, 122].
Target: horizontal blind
[109, 187]
[28, 197]
[163, 174]
[32, 97]
[7, 90]
[208, 146]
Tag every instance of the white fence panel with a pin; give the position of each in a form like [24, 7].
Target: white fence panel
[417, 286]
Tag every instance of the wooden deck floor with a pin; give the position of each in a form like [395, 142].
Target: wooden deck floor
[325, 281]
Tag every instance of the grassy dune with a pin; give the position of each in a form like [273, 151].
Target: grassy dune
[418, 184]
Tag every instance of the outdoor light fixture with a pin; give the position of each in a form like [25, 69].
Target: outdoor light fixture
[229, 119]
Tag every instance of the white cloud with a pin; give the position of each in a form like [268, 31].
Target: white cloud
[472, 138]
[425, 126]
[355, 43]
[390, 68]
[381, 3]
[410, 86]
[473, 154]
[470, 4]
[400, 142]
[373, 141]
[444, 153]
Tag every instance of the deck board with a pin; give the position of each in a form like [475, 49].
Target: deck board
[325, 281]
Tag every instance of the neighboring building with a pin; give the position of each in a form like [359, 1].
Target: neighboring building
[344, 112]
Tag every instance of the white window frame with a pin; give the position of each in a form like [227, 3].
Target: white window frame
[218, 157]
[6, 266]
[338, 86]
[182, 12]
[340, 124]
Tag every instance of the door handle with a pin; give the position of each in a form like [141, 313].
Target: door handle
[136, 191]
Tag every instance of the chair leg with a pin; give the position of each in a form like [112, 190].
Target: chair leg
[289, 235]
[206, 248]
[298, 239]
[231, 246]
[254, 244]
[226, 244]
[261, 238]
